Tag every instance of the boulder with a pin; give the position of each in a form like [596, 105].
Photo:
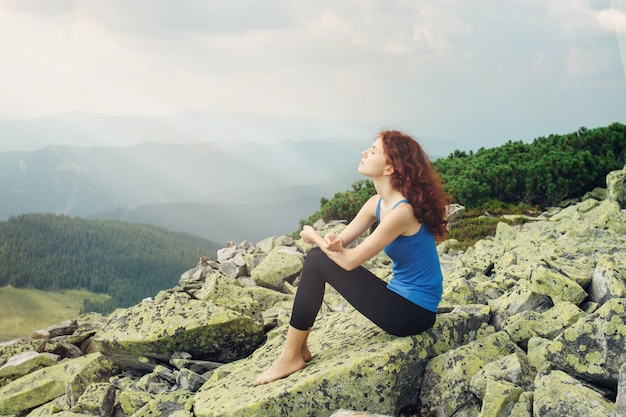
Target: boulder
[558, 394]
[447, 379]
[218, 329]
[25, 363]
[280, 264]
[620, 401]
[532, 322]
[616, 187]
[355, 365]
[594, 348]
[69, 378]
[608, 280]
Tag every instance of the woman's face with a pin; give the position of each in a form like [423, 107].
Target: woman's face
[374, 162]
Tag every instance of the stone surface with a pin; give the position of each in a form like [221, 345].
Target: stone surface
[557, 394]
[66, 378]
[352, 354]
[616, 187]
[281, 263]
[220, 329]
[532, 323]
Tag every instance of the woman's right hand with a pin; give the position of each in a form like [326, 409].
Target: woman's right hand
[333, 243]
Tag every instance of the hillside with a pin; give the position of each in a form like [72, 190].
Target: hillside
[25, 309]
[127, 261]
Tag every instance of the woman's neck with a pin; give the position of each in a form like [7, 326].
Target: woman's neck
[386, 191]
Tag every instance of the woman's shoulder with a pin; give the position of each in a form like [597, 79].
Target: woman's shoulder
[371, 204]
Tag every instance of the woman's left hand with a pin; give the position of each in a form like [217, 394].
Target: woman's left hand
[308, 234]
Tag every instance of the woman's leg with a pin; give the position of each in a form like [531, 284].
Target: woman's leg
[291, 358]
[363, 290]
[366, 292]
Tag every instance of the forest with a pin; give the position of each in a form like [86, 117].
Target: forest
[127, 261]
[539, 174]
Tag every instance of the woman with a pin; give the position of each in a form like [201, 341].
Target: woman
[410, 206]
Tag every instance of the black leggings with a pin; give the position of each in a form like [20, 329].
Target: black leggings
[365, 291]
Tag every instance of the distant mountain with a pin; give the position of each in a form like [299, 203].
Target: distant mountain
[246, 185]
[221, 176]
[86, 129]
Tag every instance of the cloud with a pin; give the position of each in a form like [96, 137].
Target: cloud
[419, 63]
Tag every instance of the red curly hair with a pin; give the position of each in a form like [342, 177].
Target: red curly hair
[414, 176]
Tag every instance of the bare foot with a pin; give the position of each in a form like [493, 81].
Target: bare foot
[306, 354]
[282, 367]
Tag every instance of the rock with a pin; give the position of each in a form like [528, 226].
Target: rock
[557, 394]
[281, 263]
[620, 401]
[519, 299]
[500, 398]
[351, 413]
[97, 399]
[524, 406]
[176, 404]
[556, 285]
[597, 193]
[594, 348]
[514, 369]
[66, 327]
[447, 378]
[70, 377]
[350, 353]
[528, 324]
[532, 322]
[216, 330]
[25, 363]
[455, 211]
[616, 187]
[608, 280]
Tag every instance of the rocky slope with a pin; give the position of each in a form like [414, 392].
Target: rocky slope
[532, 323]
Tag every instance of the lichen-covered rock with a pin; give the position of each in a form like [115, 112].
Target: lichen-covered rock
[458, 290]
[221, 330]
[606, 216]
[44, 385]
[218, 287]
[514, 368]
[620, 401]
[608, 280]
[482, 255]
[520, 298]
[594, 348]
[516, 303]
[97, 399]
[499, 399]
[447, 378]
[616, 187]
[130, 401]
[355, 365]
[281, 263]
[25, 363]
[178, 403]
[350, 413]
[556, 285]
[524, 406]
[558, 394]
[522, 327]
[538, 353]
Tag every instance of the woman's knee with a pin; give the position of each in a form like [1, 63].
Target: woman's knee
[315, 257]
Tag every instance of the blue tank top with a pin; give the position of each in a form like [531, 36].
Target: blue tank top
[415, 264]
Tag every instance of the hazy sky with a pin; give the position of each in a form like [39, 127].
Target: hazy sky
[477, 72]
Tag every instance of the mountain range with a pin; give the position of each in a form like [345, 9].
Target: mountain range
[227, 189]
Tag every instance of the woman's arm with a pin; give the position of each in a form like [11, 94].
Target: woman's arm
[395, 224]
[363, 220]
